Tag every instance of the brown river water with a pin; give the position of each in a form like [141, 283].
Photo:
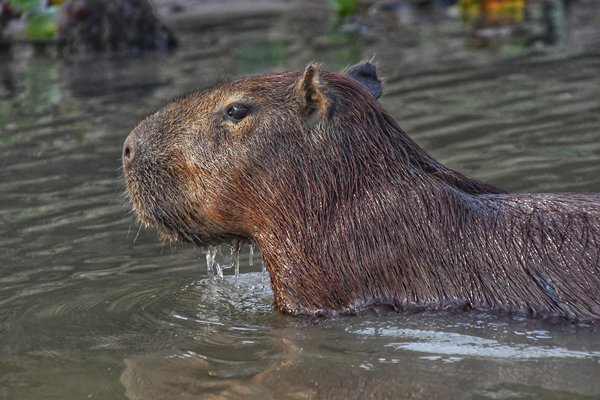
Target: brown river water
[92, 306]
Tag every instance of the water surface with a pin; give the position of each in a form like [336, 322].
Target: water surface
[92, 306]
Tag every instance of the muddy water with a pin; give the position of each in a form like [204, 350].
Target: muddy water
[91, 306]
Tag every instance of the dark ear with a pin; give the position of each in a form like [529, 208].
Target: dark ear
[312, 96]
[366, 73]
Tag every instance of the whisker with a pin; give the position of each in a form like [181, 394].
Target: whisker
[129, 230]
[138, 233]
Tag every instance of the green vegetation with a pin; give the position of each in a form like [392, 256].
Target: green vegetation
[39, 18]
[344, 8]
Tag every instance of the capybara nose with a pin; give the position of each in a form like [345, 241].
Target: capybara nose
[129, 149]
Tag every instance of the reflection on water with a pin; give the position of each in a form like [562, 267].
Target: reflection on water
[441, 344]
[93, 306]
[462, 356]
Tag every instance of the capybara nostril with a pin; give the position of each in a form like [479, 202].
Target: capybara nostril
[129, 149]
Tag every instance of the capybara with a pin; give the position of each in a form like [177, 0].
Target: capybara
[349, 212]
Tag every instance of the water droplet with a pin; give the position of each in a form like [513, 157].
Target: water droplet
[219, 271]
[211, 252]
[264, 270]
[251, 260]
[235, 252]
[214, 269]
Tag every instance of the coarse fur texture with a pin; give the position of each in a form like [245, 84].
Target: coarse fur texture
[349, 212]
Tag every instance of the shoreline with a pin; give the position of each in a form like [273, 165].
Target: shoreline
[183, 15]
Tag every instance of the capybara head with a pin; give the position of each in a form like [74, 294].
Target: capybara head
[191, 166]
[194, 167]
[187, 165]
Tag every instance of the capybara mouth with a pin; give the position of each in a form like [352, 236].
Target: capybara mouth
[152, 200]
[160, 203]
[155, 211]
[168, 226]
[150, 217]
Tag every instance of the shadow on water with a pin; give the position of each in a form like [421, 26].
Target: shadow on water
[93, 306]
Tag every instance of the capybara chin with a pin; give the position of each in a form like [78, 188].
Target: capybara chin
[349, 212]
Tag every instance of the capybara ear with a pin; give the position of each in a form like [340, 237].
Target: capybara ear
[366, 73]
[312, 96]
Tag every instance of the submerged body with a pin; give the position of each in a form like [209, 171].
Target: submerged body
[349, 212]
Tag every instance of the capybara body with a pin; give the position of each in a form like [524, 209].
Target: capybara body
[349, 212]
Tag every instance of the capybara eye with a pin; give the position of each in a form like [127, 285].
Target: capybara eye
[237, 111]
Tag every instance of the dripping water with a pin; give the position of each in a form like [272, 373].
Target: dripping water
[251, 259]
[211, 253]
[235, 253]
[224, 257]
[263, 271]
[252, 247]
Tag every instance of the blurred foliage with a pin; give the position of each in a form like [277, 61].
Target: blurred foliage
[344, 7]
[39, 18]
[492, 12]
[25, 5]
[41, 25]
[81, 25]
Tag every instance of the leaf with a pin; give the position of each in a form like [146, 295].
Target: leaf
[40, 26]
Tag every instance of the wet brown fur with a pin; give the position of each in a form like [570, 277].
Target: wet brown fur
[350, 213]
